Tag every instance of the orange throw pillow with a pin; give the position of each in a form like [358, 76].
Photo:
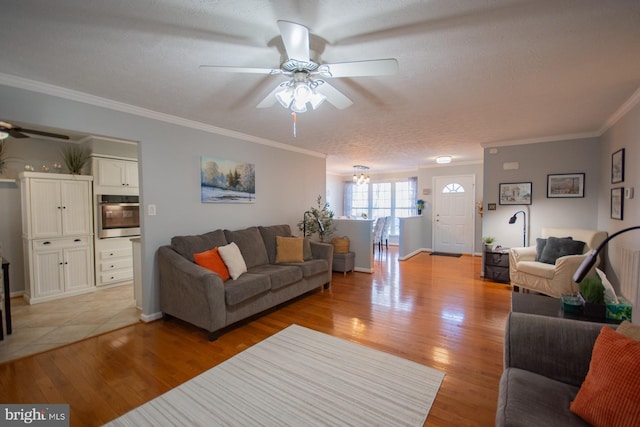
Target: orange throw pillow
[211, 260]
[610, 394]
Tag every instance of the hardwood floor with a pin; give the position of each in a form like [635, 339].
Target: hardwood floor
[430, 309]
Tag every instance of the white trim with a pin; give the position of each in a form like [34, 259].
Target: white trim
[47, 89]
[620, 112]
[146, 318]
[553, 138]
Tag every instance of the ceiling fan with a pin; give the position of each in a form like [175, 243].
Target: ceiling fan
[307, 82]
[7, 129]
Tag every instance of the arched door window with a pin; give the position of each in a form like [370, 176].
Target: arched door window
[453, 188]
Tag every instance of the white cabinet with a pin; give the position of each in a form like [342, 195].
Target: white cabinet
[59, 267]
[114, 261]
[55, 205]
[57, 230]
[115, 173]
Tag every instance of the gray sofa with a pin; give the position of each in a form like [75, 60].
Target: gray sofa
[546, 359]
[200, 297]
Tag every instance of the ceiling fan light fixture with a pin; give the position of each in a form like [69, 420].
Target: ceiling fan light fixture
[3, 134]
[316, 99]
[302, 92]
[298, 107]
[285, 96]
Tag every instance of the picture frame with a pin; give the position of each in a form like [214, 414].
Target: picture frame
[515, 193]
[565, 185]
[227, 181]
[617, 203]
[617, 166]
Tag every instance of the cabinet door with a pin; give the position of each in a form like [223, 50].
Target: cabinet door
[111, 173]
[76, 208]
[131, 174]
[77, 266]
[48, 273]
[46, 208]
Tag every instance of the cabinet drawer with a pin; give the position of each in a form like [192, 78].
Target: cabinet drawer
[60, 243]
[499, 274]
[492, 258]
[116, 264]
[116, 276]
[116, 253]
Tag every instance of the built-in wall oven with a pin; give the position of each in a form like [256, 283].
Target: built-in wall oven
[118, 216]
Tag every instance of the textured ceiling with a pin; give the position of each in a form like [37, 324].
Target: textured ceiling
[471, 72]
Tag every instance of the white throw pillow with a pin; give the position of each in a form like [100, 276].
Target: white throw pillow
[232, 258]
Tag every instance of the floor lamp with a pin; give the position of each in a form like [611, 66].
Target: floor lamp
[513, 220]
[590, 260]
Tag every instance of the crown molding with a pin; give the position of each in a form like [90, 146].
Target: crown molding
[552, 138]
[620, 112]
[85, 98]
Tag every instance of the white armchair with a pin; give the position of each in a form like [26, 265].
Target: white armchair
[551, 279]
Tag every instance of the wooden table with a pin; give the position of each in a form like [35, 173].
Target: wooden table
[7, 297]
[548, 306]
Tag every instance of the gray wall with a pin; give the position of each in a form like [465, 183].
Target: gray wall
[288, 182]
[535, 162]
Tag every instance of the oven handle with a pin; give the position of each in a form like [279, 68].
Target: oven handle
[119, 204]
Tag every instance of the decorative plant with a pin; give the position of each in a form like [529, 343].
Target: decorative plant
[592, 290]
[420, 205]
[320, 213]
[75, 157]
[488, 240]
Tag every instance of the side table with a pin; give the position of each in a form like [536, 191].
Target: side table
[550, 307]
[496, 265]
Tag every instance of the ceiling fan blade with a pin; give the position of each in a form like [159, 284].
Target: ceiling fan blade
[296, 40]
[15, 133]
[246, 70]
[375, 67]
[37, 132]
[270, 99]
[334, 96]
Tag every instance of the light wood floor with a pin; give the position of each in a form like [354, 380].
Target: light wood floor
[430, 309]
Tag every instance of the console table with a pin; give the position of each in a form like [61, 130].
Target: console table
[7, 297]
[548, 306]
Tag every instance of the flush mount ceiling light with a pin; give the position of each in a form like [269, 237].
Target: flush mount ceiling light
[443, 159]
[359, 175]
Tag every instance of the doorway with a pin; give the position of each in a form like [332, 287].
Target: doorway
[453, 218]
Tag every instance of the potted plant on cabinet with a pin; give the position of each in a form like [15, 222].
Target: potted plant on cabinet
[420, 206]
[489, 243]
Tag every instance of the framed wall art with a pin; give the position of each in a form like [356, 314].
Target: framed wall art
[515, 193]
[565, 185]
[617, 166]
[617, 203]
[226, 181]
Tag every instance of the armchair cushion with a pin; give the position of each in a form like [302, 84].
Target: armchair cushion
[557, 247]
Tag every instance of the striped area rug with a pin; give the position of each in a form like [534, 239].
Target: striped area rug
[298, 377]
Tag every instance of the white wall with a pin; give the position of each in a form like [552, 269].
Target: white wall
[535, 162]
[288, 182]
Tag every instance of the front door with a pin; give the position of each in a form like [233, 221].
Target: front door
[454, 200]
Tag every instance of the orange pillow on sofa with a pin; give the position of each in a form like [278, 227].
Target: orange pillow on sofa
[610, 394]
[211, 260]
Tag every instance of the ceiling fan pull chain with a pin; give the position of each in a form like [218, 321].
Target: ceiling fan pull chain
[294, 123]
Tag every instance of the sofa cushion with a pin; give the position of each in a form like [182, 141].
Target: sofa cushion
[289, 249]
[269, 235]
[233, 260]
[557, 247]
[245, 287]
[530, 399]
[312, 267]
[251, 245]
[279, 275]
[212, 260]
[189, 245]
[610, 394]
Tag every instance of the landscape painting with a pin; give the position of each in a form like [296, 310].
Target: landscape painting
[227, 181]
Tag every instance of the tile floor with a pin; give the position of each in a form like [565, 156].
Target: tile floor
[43, 326]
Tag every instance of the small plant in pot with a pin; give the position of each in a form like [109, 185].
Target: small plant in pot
[489, 242]
[75, 157]
[592, 293]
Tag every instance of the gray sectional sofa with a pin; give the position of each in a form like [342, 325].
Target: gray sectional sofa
[546, 359]
[200, 297]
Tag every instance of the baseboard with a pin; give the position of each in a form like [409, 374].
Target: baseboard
[414, 253]
[363, 270]
[146, 318]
